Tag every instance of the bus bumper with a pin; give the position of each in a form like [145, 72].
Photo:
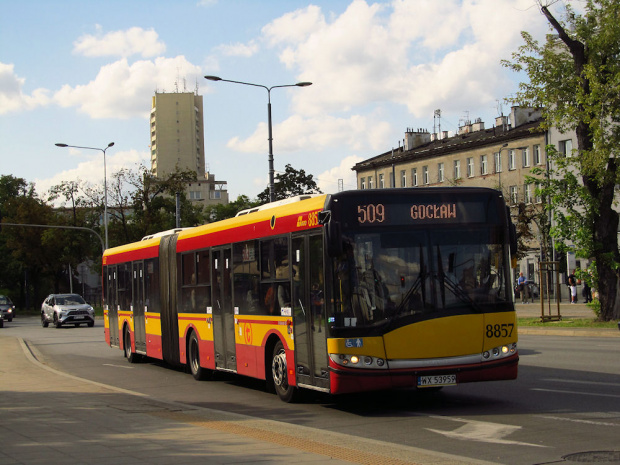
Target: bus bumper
[345, 380]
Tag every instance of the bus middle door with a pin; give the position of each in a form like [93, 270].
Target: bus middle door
[309, 312]
[223, 317]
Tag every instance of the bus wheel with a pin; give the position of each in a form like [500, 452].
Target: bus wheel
[193, 359]
[131, 357]
[279, 374]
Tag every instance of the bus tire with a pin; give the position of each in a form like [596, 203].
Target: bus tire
[131, 357]
[279, 375]
[193, 359]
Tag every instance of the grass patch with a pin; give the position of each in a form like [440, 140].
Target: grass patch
[567, 323]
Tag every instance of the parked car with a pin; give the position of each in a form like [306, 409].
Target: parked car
[63, 309]
[7, 309]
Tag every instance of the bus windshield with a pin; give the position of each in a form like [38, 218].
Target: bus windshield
[401, 275]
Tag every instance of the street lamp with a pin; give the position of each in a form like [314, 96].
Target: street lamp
[268, 89]
[105, 184]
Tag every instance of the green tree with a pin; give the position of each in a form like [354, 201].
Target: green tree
[575, 78]
[141, 204]
[221, 211]
[289, 184]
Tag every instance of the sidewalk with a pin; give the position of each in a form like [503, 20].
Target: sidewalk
[49, 417]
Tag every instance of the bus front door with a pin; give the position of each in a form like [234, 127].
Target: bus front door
[138, 307]
[309, 312]
[223, 316]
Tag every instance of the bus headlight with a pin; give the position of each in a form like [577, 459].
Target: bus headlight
[500, 352]
[360, 361]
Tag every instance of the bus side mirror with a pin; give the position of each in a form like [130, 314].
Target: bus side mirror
[513, 239]
[333, 234]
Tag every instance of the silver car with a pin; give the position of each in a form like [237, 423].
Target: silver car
[66, 309]
[7, 309]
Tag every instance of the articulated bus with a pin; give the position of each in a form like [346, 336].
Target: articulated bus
[350, 292]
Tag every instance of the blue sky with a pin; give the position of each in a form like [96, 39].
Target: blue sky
[83, 72]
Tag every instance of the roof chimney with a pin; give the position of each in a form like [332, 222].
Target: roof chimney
[416, 138]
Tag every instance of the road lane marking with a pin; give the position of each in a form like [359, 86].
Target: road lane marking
[574, 381]
[559, 391]
[117, 366]
[575, 420]
[482, 431]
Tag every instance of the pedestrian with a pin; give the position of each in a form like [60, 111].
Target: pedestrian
[521, 282]
[572, 285]
[587, 292]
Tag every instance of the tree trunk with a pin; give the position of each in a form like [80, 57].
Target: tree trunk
[606, 244]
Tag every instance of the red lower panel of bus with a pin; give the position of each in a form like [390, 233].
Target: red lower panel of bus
[153, 346]
[247, 361]
[346, 381]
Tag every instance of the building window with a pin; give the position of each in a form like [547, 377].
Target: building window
[369, 182]
[484, 164]
[362, 183]
[194, 195]
[414, 177]
[381, 182]
[457, 169]
[514, 192]
[537, 193]
[403, 178]
[425, 175]
[440, 172]
[512, 164]
[470, 167]
[527, 193]
[537, 155]
[566, 147]
[498, 162]
[525, 156]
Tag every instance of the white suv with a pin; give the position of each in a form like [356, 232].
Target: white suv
[65, 309]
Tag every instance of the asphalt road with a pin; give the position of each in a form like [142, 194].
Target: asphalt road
[565, 404]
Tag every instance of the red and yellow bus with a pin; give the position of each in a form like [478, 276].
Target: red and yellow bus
[355, 291]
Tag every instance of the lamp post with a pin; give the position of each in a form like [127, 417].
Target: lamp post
[268, 89]
[105, 184]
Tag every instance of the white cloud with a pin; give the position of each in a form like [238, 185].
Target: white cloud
[316, 134]
[12, 97]
[121, 43]
[295, 27]
[90, 169]
[238, 49]
[121, 90]
[328, 181]
[421, 54]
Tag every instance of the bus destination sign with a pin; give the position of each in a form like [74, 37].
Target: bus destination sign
[375, 214]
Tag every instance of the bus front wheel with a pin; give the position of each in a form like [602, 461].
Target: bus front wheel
[279, 374]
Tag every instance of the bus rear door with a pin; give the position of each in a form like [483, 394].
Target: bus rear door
[223, 316]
